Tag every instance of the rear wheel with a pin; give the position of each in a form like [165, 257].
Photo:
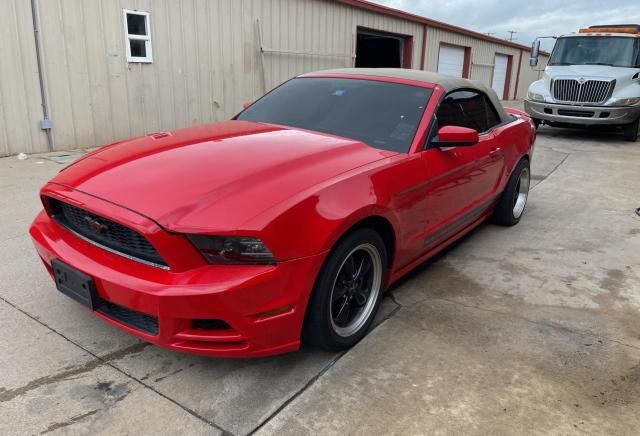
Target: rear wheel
[630, 131]
[511, 205]
[348, 291]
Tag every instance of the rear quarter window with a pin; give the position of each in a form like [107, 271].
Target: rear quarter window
[469, 109]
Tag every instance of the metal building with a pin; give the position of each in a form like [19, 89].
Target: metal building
[78, 73]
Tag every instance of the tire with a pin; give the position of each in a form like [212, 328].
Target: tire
[513, 200]
[630, 131]
[327, 325]
[536, 122]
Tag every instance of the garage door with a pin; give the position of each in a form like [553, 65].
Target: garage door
[451, 60]
[500, 74]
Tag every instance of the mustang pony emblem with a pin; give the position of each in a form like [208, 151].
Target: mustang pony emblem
[95, 225]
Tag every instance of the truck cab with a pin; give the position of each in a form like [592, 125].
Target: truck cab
[592, 78]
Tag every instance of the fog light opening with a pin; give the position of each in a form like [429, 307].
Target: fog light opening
[210, 324]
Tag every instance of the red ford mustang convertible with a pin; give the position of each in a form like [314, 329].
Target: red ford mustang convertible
[285, 224]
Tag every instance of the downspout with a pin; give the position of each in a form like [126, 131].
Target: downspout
[424, 46]
[45, 124]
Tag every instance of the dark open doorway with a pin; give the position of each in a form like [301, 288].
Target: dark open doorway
[376, 49]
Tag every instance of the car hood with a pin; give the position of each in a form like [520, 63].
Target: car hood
[214, 177]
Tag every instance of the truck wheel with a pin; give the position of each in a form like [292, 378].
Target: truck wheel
[630, 131]
[536, 122]
[510, 207]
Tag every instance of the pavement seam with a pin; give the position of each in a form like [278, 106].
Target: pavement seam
[101, 361]
[323, 371]
[552, 171]
[539, 323]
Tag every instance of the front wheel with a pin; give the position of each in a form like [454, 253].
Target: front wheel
[348, 291]
[630, 131]
[511, 205]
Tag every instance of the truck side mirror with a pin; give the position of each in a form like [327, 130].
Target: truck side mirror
[535, 51]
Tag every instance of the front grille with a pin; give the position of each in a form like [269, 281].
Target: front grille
[137, 320]
[592, 91]
[105, 233]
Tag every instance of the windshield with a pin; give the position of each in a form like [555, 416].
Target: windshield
[616, 51]
[381, 114]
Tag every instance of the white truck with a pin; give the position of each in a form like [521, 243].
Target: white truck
[592, 78]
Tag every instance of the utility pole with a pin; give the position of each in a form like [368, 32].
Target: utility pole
[511, 33]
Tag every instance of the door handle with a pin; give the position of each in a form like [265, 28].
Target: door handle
[494, 151]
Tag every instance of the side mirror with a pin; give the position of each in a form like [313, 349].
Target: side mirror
[456, 136]
[247, 104]
[535, 52]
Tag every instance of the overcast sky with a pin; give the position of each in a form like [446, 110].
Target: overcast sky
[528, 18]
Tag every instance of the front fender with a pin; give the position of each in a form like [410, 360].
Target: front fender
[316, 222]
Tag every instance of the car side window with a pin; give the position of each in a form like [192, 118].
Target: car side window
[467, 108]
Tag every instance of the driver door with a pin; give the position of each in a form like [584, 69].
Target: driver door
[462, 179]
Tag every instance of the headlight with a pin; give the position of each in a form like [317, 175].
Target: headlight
[232, 250]
[535, 96]
[624, 101]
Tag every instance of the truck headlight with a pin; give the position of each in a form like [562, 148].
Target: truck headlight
[630, 101]
[535, 96]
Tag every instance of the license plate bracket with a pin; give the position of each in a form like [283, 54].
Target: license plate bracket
[75, 284]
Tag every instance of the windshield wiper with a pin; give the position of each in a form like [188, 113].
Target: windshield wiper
[597, 63]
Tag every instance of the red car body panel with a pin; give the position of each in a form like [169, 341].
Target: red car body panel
[275, 183]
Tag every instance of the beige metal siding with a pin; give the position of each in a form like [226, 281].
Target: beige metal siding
[207, 62]
[205, 56]
[482, 55]
[325, 31]
[20, 110]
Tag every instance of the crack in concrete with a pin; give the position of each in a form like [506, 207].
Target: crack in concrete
[100, 361]
[552, 171]
[67, 423]
[540, 323]
[10, 394]
[324, 370]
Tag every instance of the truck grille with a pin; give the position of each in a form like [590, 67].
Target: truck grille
[589, 91]
[105, 233]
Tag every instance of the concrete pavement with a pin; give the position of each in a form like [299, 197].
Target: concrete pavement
[533, 329]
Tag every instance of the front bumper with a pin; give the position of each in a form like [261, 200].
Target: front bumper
[263, 305]
[582, 115]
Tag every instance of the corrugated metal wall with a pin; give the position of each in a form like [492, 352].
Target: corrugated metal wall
[207, 62]
[205, 58]
[482, 54]
[20, 110]
[322, 28]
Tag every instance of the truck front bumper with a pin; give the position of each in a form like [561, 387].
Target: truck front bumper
[581, 115]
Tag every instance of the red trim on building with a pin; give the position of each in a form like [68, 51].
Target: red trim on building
[362, 4]
[507, 80]
[407, 57]
[424, 46]
[515, 91]
[466, 68]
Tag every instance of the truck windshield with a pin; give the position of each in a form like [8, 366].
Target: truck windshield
[615, 51]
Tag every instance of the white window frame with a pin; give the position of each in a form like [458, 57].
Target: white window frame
[146, 38]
